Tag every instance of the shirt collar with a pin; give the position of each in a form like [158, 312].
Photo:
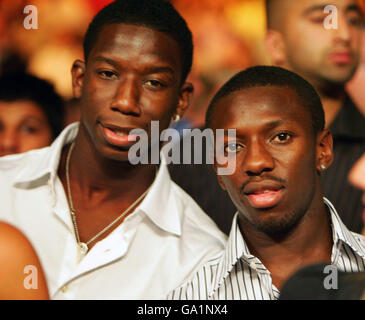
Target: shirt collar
[237, 249]
[160, 205]
[340, 233]
[49, 162]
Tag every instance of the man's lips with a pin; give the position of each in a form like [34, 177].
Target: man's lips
[341, 57]
[119, 136]
[264, 194]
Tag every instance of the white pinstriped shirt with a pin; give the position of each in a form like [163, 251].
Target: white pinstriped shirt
[238, 275]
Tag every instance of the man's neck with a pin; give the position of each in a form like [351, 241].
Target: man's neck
[103, 190]
[310, 241]
[98, 177]
[332, 103]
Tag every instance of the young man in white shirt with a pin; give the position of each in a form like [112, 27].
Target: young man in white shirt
[103, 227]
[283, 221]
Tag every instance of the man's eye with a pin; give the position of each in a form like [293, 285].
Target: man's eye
[355, 20]
[29, 129]
[154, 84]
[282, 137]
[232, 147]
[318, 19]
[110, 75]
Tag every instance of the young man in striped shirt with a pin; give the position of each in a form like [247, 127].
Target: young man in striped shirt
[283, 221]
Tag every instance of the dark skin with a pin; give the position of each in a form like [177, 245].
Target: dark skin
[276, 185]
[16, 252]
[132, 76]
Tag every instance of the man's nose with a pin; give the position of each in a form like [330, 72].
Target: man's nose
[127, 98]
[344, 29]
[257, 159]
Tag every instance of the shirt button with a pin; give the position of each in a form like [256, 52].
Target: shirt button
[64, 289]
[253, 265]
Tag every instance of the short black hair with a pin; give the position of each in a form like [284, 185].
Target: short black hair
[158, 15]
[24, 86]
[265, 76]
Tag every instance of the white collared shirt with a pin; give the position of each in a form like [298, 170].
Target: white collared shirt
[155, 249]
[238, 275]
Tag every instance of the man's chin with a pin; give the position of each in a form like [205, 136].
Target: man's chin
[275, 229]
[114, 154]
[341, 75]
[278, 227]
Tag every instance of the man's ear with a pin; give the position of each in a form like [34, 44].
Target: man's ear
[219, 177]
[186, 93]
[78, 73]
[275, 46]
[324, 150]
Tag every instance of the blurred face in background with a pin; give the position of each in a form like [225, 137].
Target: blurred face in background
[23, 127]
[303, 43]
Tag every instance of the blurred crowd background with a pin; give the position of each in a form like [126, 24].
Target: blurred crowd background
[228, 37]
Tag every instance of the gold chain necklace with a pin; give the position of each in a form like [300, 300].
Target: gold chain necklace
[83, 247]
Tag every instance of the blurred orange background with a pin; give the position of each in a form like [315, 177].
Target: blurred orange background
[228, 37]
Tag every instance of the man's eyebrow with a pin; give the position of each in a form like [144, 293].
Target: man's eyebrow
[32, 118]
[351, 7]
[159, 69]
[274, 124]
[107, 60]
[267, 126]
[147, 70]
[314, 8]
